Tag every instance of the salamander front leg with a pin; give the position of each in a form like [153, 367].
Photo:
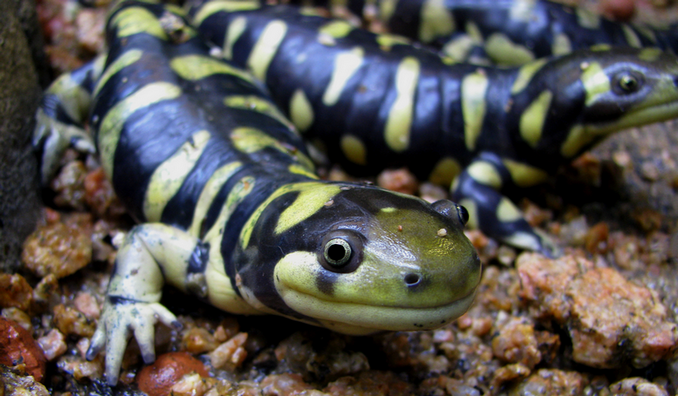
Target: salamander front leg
[150, 254]
[478, 188]
[62, 116]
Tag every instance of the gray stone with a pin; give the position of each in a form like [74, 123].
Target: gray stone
[19, 98]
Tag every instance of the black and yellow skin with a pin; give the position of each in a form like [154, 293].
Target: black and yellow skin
[515, 31]
[383, 102]
[229, 206]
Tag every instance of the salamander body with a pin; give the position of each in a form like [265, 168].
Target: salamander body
[513, 31]
[385, 102]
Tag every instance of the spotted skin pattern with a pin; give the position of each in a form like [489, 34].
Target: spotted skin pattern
[384, 102]
[228, 204]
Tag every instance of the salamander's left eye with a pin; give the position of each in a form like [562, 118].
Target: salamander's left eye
[451, 210]
[337, 252]
[341, 251]
[628, 83]
[463, 214]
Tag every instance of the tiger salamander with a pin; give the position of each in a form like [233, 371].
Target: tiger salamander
[230, 209]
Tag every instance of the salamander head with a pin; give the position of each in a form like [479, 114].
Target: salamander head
[596, 93]
[369, 260]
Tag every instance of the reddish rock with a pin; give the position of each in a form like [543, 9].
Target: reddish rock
[551, 382]
[516, 342]
[619, 10]
[158, 378]
[15, 292]
[595, 240]
[635, 386]
[59, 248]
[400, 180]
[509, 373]
[611, 321]
[72, 322]
[284, 384]
[18, 348]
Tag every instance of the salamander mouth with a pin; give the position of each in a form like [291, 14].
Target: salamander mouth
[358, 319]
[638, 117]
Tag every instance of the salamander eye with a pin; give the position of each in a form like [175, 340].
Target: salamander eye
[629, 83]
[341, 251]
[463, 214]
[337, 252]
[450, 209]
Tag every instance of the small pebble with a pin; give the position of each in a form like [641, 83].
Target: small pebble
[15, 292]
[53, 344]
[635, 386]
[618, 10]
[649, 171]
[399, 180]
[58, 248]
[17, 347]
[158, 378]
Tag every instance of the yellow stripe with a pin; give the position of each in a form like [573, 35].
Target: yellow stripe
[233, 32]
[647, 33]
[73, 98]
[301, 170]
[507, 211]
[209, 192]
[576, 139]
[650, 54]
[251, 140]
[259, 105]
[436, 21]
[345, 65]
[213, 7]
[325, 190]
[457, 50]
[168, 178]
[561, 44]
[595, 81]
[354, 149]
[505, 52]
[174, 9]
[474, 32]
[120, 63]
[386, 9]
[386, 41]
[135, 20]
[336, 29]
[525, 75]
[310, 200]
[265, 48]
[111, 126]
[197, 67]
[524, 175]
[472, 210]
[587, 18]
[301, 110]
[631, 37]
[532, 119]
[485, 173]
[473, 89]
[399, 121]
[234, 198]
[309, 10]
[446, 170]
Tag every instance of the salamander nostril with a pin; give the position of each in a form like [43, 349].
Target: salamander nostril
[412, 279]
